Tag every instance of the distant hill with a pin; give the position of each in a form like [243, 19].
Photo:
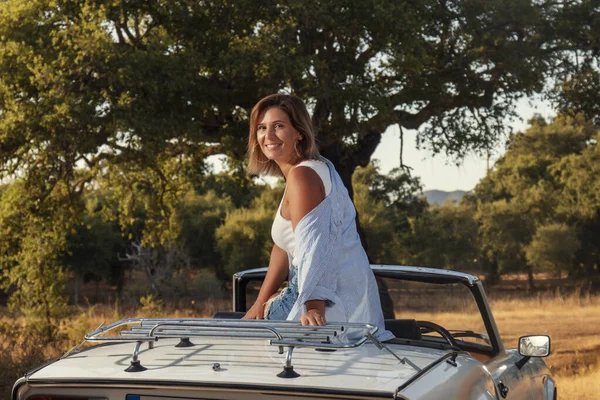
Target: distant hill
[439, 197]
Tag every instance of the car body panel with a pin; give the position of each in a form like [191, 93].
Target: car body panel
[467, 380]
[245, 362]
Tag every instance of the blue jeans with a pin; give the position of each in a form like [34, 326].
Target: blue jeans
[282, 304]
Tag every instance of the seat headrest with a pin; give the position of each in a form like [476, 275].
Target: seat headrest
[404, 328]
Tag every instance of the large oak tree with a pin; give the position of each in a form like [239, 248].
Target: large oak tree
[137, 93]
[119, 80]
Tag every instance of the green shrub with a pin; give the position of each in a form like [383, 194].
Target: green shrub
[151, 307]
[206, 286]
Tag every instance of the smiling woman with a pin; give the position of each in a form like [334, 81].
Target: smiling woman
[317, 248]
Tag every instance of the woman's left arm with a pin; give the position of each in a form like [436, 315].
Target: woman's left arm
[305, 191]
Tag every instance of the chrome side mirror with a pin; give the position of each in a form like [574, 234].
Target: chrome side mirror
[534, 346]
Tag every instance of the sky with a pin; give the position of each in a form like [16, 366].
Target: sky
[440, 172]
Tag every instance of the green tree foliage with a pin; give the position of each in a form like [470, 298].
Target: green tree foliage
[92, 252]
[577, 85]
[131, 97]
[402, 228]
[244, 240]
[374, 216]
[450, 68]
[445, 237]
[90, 81]
[233, 184]
[118, 81]
[504, 227]
[199, 217]
[544, 188]
[553, 248]
[579, 203]
[386, 204]
[32, 240]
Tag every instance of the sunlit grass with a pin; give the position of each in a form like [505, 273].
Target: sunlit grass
[584, 386]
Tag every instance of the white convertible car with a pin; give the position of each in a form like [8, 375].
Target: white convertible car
[447, 346]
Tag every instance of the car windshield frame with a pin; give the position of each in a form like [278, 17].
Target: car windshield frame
[401, 272]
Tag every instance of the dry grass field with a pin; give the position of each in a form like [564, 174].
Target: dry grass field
[572, 321]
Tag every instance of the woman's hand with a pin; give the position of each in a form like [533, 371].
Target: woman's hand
[257, 311]
[315, 313]
[314, 318]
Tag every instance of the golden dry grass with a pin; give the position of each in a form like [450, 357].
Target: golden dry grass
[581, 387]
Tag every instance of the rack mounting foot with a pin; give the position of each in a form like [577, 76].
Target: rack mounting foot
[288, 372]
[185, 342]
[135, 367]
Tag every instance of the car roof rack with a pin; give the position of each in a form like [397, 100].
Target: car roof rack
[290, 334]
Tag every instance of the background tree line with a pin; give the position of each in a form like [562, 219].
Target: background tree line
[110, 109]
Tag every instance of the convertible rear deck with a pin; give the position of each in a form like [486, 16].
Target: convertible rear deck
[250, 360]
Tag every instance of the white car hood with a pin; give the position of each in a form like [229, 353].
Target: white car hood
[248, 362]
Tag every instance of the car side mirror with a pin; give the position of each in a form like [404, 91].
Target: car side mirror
[534, 346]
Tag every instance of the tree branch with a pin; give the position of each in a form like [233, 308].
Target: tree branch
[80, 184]
[320, 113]
[404, 167]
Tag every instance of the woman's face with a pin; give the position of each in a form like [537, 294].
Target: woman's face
[276, 136]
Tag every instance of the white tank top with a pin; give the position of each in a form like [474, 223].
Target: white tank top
[281, 231]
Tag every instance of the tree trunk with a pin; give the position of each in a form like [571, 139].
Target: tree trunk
[344, 165]
[492, 275]
[77, 288]
[592, 274]
[117, 277]
[530, 280]
[221, 275]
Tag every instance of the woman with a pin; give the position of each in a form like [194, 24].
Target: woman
[316, 246]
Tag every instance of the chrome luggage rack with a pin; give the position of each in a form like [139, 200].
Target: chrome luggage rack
[290, 334]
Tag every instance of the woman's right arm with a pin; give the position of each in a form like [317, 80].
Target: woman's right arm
[276, 274]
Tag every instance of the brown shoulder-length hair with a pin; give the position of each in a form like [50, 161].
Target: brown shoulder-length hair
[296, 110]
